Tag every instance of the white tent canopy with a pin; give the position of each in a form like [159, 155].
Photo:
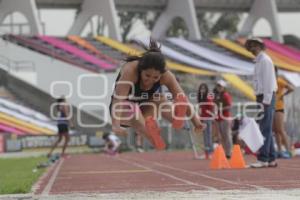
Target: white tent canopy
[192, 61]
[28, 119]
[212, 55]
[24, 110]
[219, 58]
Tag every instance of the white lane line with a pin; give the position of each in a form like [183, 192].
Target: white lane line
[52, 178]
[210, 177]
[287, 167]
[40, 181]
[166, 174]
[204, 175]
[108, 172]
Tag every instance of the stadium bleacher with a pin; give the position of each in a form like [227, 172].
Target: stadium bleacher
[88, 62]
[204, 57]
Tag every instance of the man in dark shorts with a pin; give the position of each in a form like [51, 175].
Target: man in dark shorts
[63, 122]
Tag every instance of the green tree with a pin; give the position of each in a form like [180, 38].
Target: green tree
[178, 28]
[227, 23]
[127, 19]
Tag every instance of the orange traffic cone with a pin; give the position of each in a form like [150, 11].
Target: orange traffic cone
[180, 111]
[219, 160]
[153, 133]
[237, 160]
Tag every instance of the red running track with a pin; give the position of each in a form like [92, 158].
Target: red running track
[160, 171]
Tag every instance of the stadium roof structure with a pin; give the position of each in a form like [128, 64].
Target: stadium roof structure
[168, 9]
[160, 5]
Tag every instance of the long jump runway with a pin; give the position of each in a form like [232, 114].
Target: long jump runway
[160, 171]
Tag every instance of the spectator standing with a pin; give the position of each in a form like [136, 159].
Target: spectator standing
[265, 86]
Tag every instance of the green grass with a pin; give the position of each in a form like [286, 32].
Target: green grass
[17, 176]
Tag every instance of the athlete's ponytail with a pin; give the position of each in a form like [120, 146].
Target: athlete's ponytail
[152, 58]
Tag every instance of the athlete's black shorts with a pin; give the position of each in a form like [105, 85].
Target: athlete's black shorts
[63, 128]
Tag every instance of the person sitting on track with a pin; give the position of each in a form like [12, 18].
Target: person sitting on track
[112, 143]
[137, 97]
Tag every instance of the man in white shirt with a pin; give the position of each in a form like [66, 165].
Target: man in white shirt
[265, 86]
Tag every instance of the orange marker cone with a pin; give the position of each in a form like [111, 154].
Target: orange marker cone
[153, 133]
[219, 160]
[237, 160]
[180, 111]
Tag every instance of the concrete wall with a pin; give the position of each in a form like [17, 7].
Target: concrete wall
[41, 101]
[82, 88]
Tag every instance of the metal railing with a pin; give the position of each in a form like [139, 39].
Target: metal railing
[16, 66]
[18, 28]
